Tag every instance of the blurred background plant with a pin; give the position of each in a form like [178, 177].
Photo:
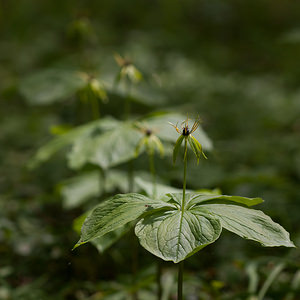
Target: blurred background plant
[65, 145]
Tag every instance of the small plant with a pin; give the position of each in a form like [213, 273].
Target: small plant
[179, 225]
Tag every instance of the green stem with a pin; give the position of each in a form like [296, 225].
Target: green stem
[102, 182]
[95, 106]
[153, 173]
[158, 279]
[180, 280]
[130, 177]
[184, 175]
[180, 265]
[127, 105]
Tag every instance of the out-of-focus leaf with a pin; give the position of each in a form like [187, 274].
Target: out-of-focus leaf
[57, 143]
[160, 189]
[108, 149]
[48, 86]
[77, 190]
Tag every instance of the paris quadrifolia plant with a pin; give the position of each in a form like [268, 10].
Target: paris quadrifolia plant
[178, 225]
[151, 143]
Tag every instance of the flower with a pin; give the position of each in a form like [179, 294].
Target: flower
[127, 70]
[150, 141]
[186, 133]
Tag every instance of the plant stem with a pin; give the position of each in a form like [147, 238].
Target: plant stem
[180, 265]
[153, 173]
[127, 104]
[180, 280]
[95, 106]
[130, 177]
[158, 279]
[184, 175]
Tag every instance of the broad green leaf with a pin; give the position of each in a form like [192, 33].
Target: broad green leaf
[104, 242]
[249, 224]
[107, 149]
[116, 212]
[77, 190]
[174, 235]
[177, 147]
[51, 85]
[60, 142]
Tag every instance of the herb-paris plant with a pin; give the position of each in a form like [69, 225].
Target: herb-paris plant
[179, 225]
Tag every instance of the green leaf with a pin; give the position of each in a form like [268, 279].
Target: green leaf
[79, 189]
[140, 146]
[106, 149]
[161, 189]
[174, 235]
[157, 144]
[249, 224]
[196, 147]
[104, 242]
[203, 198]
[51, 85]
[133, 73]
[60, 142]
[177, 147]
[116, 212]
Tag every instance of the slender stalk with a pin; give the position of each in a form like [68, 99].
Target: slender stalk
[127, 104]
[102, 182]
[158, 264]
[130, 177]
[95, 106]
[180, 265]
[184, 175]
[158, 279]
[153, 173]
[180, 280]
[134, 265]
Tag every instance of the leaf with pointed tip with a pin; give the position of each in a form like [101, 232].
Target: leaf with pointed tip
[196, 147]
[104, 242]
[201, 198]
[249, 223]
[177, 147]
[116, 212]
[174, 235]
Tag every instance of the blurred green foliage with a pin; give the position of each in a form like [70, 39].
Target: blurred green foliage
[235, 63]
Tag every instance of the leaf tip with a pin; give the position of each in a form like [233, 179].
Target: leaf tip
[79, 243]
